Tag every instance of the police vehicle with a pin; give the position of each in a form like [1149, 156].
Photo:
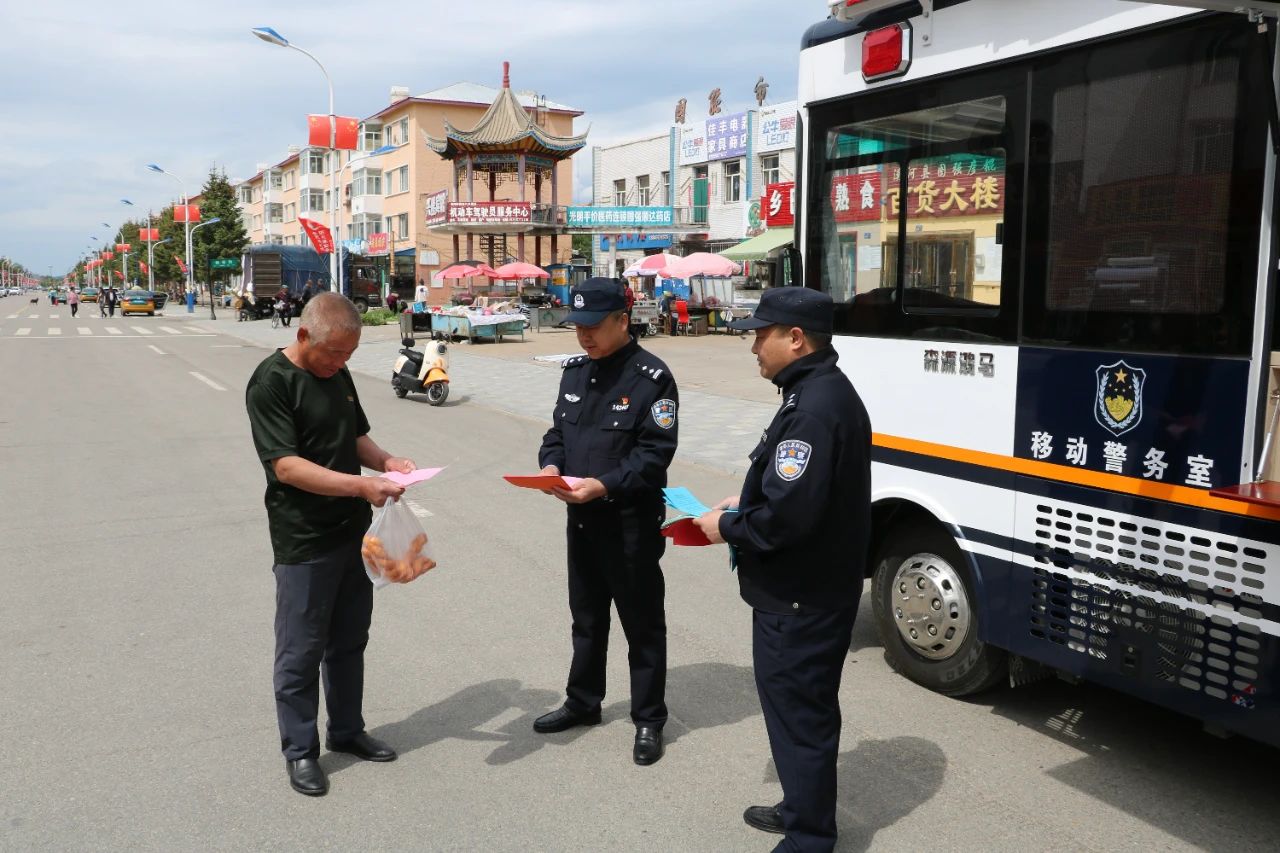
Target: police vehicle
[1049, 232]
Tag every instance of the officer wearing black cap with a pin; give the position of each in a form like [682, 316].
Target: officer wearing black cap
[799, 537]
[614, 426]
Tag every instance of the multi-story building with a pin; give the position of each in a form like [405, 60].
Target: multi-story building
[387, 181]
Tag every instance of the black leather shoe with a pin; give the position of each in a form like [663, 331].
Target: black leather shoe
[363, 747]
[307, 777]
[764, 818]
[562, 719]
[648, 748]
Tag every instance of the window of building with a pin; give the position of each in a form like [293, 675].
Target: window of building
[371, 137]
[642, 190]
[276, 181]
[665, 189]
[275, 213]
[276, 240]
[398, 180]
[367, 182]
[290, 212]
[620, 192]
[732, 180]
[771, 169]
[257, 194]
[290, 179]
[396, 133]
[313, 163]
[312, 200]
[291, 240]
[245, 194]
[401, 226]
[257, 222]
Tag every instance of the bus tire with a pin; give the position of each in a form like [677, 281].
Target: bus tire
[927, 613]
[362, 306]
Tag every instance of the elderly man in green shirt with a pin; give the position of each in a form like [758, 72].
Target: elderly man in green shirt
[313, 439]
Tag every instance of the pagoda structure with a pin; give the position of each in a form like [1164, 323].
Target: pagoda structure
[508, 144]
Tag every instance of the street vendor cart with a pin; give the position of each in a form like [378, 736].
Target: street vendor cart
[476, 326]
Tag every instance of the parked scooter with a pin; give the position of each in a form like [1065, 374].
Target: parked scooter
[422, 373]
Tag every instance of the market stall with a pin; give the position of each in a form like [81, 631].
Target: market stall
[475, 325]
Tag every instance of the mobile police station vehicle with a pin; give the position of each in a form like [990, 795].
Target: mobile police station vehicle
[1048, 230]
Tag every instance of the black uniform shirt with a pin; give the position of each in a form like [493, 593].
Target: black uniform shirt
[804, 515]
[615, 420]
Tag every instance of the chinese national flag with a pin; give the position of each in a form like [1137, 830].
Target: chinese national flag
[107, 254]
[182, 265]
[119, 274]
[346, 132]
[122, 247]
[186, 213]
[148, 235]
[143, 265]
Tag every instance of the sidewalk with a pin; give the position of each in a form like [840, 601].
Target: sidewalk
[724, 404]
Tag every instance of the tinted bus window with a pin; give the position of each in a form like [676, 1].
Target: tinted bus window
[1151, 179]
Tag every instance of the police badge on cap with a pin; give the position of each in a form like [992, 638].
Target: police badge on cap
[595, 299]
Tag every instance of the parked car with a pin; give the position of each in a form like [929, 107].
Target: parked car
[138, 302]
[89, 294]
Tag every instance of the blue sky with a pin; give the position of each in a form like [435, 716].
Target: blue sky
[94, 91]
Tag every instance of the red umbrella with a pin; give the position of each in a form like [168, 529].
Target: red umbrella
[700, 263]
[519, 269]
[457, 271]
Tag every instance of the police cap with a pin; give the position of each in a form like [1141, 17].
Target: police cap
[595, 299]
[798, 307]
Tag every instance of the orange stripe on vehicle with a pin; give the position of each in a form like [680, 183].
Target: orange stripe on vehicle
[1077, 476]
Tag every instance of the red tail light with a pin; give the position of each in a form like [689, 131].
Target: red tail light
[886, 52]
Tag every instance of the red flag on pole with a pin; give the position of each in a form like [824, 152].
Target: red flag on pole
[186, 213]
[143, 265]
[318, 131]
[122, 247]
[346, 132]
[107, 254]
[182, 265]
[148, 235]
[119, 275]
[319, 234]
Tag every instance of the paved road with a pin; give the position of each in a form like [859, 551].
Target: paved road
[135, 652]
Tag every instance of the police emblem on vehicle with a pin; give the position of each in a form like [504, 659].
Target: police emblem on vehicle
[1118, 404]
[578, 301]
[791, 458]
[664, 413]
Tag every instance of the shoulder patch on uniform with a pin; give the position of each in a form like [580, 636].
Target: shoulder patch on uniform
[664, 413]
[791, 402]
[791, 459]
[653, 373]
[573, 362]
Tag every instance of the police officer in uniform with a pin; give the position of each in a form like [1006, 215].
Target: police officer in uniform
[800, 536]
[614, 426]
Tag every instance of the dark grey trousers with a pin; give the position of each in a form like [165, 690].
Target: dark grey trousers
[323, 610]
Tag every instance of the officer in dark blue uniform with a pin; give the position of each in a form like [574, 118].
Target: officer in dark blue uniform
[614, 426]
[800, 536]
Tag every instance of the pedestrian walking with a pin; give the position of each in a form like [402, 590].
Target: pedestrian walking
[614, 425]
[312, 438]
[112, 299]
[73, 300]
[799, 537]
[308, 290]
[420, 292]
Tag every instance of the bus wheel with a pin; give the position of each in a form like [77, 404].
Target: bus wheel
[927, 614]
[362, 306]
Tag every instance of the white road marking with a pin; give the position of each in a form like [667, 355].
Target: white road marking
[24, 331]
[84, 330]
[171, 330]
[157, 349]
[112, 330]
[54, 330]
[417, 509]
[33, 316]
[226, 346]
[13, 316]
[207, 381]
[141, 330]
[53, 316]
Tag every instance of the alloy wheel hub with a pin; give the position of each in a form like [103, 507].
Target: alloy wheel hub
[930, 608]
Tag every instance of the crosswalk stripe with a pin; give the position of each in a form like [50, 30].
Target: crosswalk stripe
[13, 316]
[53, 316]
[33, 316]
[112, 330]
[84, 330]
[207, 381]
[141, 330]
[54, 330]
[24, 331]
[171, 330]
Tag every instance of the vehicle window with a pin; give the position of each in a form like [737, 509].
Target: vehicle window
[1152, 182]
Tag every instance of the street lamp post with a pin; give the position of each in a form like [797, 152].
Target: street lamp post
[270, 36]
[213, 221]
[191, 294]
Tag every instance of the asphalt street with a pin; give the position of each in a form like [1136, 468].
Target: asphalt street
[136, 604]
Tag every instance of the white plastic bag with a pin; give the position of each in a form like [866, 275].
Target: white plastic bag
[395, 543]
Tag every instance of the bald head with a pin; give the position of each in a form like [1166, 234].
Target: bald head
[330, 314]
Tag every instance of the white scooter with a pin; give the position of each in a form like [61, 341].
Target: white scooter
[421, 373]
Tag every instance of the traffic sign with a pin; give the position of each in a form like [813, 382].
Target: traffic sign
[224, 263]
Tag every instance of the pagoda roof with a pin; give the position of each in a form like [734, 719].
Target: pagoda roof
[506, 127]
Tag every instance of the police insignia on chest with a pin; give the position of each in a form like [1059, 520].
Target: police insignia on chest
[622, 405]
[664, 413]
[791, 458]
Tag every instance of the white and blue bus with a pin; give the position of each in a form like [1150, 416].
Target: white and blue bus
[1048, 231]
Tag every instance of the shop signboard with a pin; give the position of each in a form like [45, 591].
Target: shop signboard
[777, 208]
[622, 217]
[379, 243]
[486, 212]
[959, 185]
[437, 211]
[727, 137]
[776, 127]
[693, 144]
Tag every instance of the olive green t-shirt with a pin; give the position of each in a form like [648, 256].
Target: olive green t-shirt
[295, 413]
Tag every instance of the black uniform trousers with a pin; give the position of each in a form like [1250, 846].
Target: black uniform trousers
[798, 660]
[323, 610]
[613, 558]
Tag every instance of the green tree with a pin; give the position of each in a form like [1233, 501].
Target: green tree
[227, 238]
[582, 245]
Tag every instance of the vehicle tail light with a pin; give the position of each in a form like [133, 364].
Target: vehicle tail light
[886, 52]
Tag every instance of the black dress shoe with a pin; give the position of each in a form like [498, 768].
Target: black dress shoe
[562, 719]
[307, 777]
[364, 747]
[764, 818]
[648, 748]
